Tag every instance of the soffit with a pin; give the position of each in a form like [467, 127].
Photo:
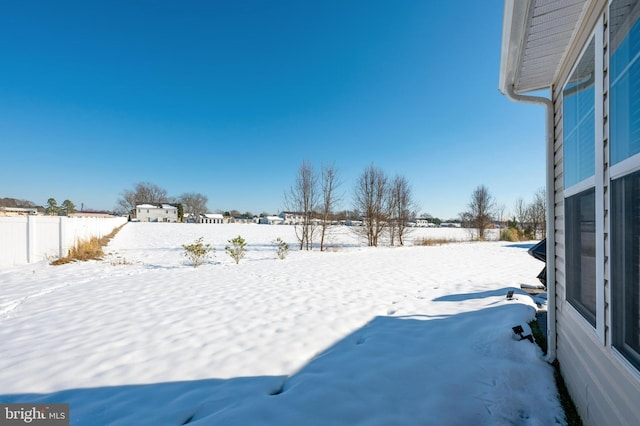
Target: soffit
[537, 35]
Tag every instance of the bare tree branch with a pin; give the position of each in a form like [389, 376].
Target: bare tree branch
[481, 211]
[302, 198]
[370, 199]
[329, 181]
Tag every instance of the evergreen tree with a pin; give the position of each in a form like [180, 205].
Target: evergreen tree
[68, 208]
[52, 209]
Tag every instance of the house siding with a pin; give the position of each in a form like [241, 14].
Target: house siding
[601, 387]
[152, 213]
[604, 387]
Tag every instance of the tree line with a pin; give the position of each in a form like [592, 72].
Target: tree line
[528, 220]
[65, 209]
[384, 205]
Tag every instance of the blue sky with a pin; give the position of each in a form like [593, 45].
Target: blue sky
[227, 98]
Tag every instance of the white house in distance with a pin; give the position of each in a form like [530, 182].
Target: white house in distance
[156, 213]
[291, 218]
[271, 220]
[212, 218]
[586, 54]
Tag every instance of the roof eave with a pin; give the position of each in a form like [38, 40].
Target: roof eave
[514, 28]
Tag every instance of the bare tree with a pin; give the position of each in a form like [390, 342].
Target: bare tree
[329, 182]
[500, 209]
[481, 211]
[194, 204]
[520, 212]
[143, 192]
[538, 212]
[401, 208]
[302, 198]
[370, 196]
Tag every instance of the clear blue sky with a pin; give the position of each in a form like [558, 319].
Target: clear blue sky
[227, 98]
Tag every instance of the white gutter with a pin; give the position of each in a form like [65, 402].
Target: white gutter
[514, 27]
[551, 238]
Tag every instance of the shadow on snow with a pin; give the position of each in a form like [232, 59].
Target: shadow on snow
[479, 295]
[525, 246]
[391, 369]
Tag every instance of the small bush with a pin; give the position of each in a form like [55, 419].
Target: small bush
[198, 252]
[117, 260]
[509, 234]
[282, 248]
[237, 249]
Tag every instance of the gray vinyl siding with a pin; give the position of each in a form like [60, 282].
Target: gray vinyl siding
[604, 391]
[604, 387]
[559, 199]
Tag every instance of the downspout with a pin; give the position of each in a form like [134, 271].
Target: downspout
[551, 237]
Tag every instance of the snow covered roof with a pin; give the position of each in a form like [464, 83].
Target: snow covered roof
[214, 216]
[155, 206]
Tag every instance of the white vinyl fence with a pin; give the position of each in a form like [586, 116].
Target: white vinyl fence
[29, 239]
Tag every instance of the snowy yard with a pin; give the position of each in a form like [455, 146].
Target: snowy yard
[369, 336]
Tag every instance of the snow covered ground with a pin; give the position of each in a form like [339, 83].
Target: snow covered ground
[355, 335]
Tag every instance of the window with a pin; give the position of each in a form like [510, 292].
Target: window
[578, 113]
[625, 80]
[579, 142]
[624, 107]
[625, 229]
[580, 211]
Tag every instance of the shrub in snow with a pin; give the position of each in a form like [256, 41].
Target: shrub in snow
[509, 234]
[282, 248]
[198, 252]
[237, 249]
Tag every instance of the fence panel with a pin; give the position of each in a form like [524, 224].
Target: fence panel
[13, 240]
[28, 239]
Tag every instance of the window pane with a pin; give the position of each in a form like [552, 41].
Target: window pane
[625, 80]
[579, 120]
[581, 253]
[626, 265]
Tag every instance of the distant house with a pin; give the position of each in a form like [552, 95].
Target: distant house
[212, 218]
[204, 218]
[424, 223]
[585, 54]
[18, 211]
[291, 218]
[450, 225]
[156, 213]
[241, 219]
[271, 220]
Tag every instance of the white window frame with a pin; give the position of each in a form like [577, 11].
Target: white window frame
[626, 167]
[596, 180]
